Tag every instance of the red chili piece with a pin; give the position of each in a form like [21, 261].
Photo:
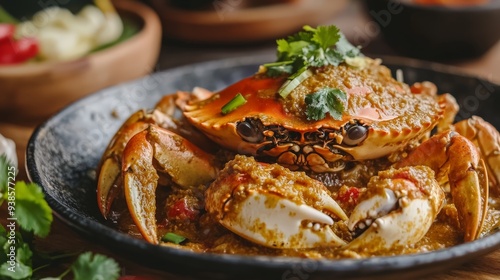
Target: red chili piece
[350, 195]
[181, 210]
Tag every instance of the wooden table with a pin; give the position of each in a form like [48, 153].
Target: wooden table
[62, 238]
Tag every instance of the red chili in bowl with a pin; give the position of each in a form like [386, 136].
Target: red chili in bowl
[14, 51]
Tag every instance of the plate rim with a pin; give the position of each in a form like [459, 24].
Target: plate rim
[371, 265]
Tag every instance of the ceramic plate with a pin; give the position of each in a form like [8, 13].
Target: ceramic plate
[63, 153]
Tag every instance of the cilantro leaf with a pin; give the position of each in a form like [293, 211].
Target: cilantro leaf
[21, 267]
[305, 35]
[326, 36]
[18, 271]
[287, 50]
[33, 212]
[345, 48]
[325, 100]
[90, 266]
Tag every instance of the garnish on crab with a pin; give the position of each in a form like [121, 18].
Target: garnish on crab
[312, 47]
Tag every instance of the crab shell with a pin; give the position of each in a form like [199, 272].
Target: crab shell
[390, 114]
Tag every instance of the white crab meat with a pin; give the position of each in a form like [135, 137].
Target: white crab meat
[397, 209]
[272, 206]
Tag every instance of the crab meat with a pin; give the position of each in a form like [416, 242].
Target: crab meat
[272, 206]
[397, 209]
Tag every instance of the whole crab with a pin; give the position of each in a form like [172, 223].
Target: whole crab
[383, 118]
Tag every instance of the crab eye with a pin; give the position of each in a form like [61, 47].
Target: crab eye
[355, 135]
[249, 131]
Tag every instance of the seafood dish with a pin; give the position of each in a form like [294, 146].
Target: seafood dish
[320, 154]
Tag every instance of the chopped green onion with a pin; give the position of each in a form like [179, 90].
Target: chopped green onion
[294, 82]
[278, 63]
[276, 69]
[236, 102]
[172, 237]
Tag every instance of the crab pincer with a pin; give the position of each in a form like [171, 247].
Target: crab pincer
[397, 209]
[109, 183]
[273, 206]
[148, 155]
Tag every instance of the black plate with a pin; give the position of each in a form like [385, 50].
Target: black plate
[63, 153]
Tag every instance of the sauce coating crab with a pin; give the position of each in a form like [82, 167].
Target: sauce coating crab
[381, 116]
[381, 120]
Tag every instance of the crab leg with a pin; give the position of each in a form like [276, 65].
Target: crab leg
[398, 208]
[449, 153]
[158, 150]
[487, 138]
[273, 206]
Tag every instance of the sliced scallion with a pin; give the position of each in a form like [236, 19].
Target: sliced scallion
[294, 82]
[236, 102]
[272, 64]
[173, 238]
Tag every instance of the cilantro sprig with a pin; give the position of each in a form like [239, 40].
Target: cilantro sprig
[34, 217]
[325, 100]
[312, 47]
[90, 266]
[33, 212]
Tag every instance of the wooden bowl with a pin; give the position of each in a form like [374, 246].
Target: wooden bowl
[30, 93]
[233, 22]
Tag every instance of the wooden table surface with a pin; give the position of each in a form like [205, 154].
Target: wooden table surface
[63, 238]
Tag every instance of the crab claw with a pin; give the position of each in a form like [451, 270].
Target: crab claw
[398, 208]
[272, 206]
[156, 150]
[487, 138]
[449, 153]
[110, 180]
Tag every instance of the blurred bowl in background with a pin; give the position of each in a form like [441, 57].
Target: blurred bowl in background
[454, 29]
[32, 92]
[239, 21]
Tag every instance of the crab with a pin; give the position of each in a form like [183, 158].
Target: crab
[383, 118]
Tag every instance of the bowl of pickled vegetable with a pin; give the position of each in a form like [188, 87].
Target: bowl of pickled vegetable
[53, 56]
